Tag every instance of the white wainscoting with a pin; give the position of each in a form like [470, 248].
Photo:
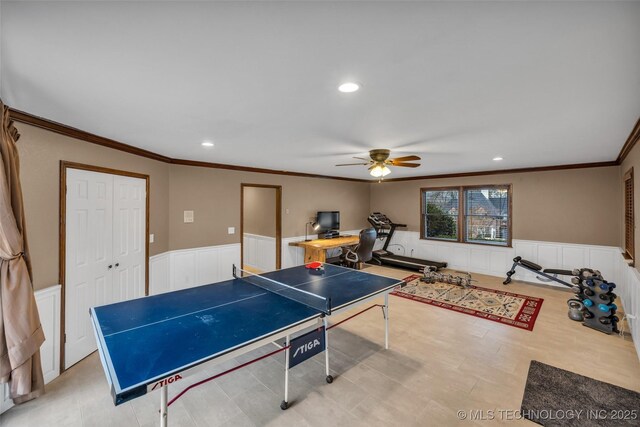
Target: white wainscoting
[259, 252]
[627, 280]
[185, 268]
[48, 301]
[496, 260]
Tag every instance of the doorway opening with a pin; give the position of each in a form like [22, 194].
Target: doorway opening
[260, 227]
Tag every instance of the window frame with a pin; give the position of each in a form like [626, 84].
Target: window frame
[629, 253]
[462, 213]
[423, 214]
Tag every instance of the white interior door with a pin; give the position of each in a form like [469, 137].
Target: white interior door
[129, 204]
[89, 241]
[105, 250]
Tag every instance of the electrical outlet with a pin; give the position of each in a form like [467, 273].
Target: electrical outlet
[286, 211]
[231, 230]
[188, 216]
[151, 238]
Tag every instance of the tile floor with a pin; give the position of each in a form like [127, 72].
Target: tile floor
[439, 362]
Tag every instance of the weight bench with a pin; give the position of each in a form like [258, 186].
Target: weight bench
[546, 275]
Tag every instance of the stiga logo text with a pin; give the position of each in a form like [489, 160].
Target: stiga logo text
[167, 381]
[306, 347]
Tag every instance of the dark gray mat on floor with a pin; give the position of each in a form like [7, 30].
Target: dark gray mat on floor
[555, 397]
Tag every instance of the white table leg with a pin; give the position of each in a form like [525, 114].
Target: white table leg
[164, 410]
[285, 403]
[326, 349]
[386, 321]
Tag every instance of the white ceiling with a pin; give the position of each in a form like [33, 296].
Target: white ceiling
[456, 83]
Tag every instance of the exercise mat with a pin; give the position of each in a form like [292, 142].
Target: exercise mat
[555, 397]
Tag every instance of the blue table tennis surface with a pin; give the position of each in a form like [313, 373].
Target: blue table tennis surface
[150, 338]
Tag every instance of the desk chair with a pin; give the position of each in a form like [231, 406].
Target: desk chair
[353, 256]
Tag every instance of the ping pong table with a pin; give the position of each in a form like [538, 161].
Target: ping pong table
[152, 342]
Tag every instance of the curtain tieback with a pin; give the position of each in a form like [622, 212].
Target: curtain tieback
[18, 255]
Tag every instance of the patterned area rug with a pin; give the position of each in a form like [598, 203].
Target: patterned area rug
[507, 308]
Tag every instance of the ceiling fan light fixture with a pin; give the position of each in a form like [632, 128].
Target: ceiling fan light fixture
[380, 171]
[348, 87]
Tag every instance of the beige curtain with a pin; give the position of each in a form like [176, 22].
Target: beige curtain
[20, 331]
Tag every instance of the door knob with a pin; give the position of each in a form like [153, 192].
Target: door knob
[117, 264]
[109, 266]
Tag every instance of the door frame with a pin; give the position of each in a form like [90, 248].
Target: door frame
[278, 189]
[62, 235]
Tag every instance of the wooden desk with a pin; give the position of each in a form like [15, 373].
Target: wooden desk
[315, 250]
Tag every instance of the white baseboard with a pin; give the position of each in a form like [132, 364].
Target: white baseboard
[48, 302]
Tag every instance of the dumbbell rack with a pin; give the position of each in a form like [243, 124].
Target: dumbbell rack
[598, 300]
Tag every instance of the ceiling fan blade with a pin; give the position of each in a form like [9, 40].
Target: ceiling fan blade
[353, 164]
[405, 159]
[407, 165]
[361, 158]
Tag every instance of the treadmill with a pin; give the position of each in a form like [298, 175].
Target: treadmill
[385, 229]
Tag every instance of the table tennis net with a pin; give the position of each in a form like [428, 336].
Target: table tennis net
[301, 296]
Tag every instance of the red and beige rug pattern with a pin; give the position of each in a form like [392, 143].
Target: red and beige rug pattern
[507, 308]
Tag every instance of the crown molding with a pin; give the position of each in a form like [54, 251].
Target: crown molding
[30, 119]
[507, 171]
[50, 125]
[631, 141]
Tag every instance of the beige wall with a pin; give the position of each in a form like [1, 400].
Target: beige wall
[571, 206]
[260, 211]
[214, 196]
[631, 161]
[40, 154]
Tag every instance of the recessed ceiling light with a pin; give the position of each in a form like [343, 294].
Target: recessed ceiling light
[497, 159]
[207, 144]
[348, 87]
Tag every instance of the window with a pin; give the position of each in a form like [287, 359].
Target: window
[629, 220]
[440, 212]
[479, 214]
[487, 215]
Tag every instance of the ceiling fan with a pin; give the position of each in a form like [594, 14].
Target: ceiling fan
[380, 162]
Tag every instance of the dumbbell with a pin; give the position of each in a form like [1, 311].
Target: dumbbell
[589, 292]
[607, 308]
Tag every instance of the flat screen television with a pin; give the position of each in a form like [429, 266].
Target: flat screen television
[328, 221]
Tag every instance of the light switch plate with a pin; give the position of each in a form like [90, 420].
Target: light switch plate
[232, 230]
[151, 238]
[188, 216]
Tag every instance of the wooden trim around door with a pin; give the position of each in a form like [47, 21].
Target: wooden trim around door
[62, 236]
[278, 189]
